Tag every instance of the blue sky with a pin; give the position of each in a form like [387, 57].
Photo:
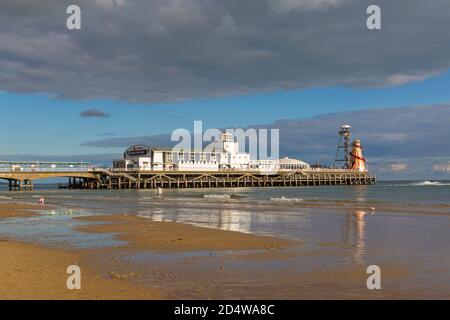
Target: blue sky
[139, 69]
[39, 124]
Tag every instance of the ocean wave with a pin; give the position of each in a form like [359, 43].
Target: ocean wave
[425, 183]
[51, 196]
[284, 199]
[216, 196]
[430, 183]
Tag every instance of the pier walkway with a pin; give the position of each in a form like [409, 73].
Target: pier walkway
[20, 176]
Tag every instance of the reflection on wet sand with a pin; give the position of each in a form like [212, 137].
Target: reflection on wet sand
[230, 220]
[354, 234]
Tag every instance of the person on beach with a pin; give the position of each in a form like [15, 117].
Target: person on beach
[41, 201]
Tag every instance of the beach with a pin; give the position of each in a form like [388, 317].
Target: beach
[293, 243]
[29, 271]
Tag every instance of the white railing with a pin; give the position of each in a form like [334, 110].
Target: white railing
[18, 170]
[137, 170]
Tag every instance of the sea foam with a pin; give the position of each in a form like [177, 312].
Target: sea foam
[284, 199]
[430, 183]
[216, 196]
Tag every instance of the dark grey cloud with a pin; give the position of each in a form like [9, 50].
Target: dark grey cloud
[399, 143]
[94, 113]
[169, 50]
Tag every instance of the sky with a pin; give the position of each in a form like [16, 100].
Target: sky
[139, 69]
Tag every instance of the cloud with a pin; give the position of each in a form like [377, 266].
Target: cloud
[172, 50]
[402, 143]
[109, 4]
[94, 113]
[442, 167]
[286, 6]
[399, 79]
[395, 167]
[227, 26]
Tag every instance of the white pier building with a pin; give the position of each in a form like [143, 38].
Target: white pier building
[222, 154]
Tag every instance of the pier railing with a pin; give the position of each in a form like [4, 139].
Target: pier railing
[90, 177]
[143, 170]
[12, 170]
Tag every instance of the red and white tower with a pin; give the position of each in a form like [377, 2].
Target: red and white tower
[358, 162]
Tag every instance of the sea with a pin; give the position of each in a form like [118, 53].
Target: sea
[395, 223]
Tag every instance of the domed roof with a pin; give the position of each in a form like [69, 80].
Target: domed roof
[287, 160]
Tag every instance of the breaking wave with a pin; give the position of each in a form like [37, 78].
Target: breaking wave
[430, 183]
[284, 199]
[425, 183]
[216, 196]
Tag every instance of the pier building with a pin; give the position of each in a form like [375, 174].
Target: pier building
[219, 165]
[222, 154]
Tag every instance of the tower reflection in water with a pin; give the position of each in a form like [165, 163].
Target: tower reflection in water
[354, 235]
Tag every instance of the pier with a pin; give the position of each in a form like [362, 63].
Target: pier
[82, 176]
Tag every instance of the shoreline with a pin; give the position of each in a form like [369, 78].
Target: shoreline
[30, 271]
[173, 260]
[144, 234]
[35, 271]
[20, 209]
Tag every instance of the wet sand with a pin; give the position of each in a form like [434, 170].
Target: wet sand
[13, 210]
[171, 260]
[187, 262]
[145, 234]
[28, 271]
[31, 272]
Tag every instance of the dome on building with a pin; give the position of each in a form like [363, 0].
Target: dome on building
[293, 163]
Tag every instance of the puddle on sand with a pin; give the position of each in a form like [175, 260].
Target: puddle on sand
[56, 228]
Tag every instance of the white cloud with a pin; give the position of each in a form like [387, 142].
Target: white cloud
[286, 6]
[399, 79]
[397, 167]
[443, 167]
[389, 137]
[227, 26]
[108, 4]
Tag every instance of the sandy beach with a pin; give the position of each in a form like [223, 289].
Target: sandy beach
[186, 246]
[30, 271]
[144, 234]
[11, 210]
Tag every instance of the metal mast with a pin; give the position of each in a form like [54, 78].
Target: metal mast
[344, 143]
